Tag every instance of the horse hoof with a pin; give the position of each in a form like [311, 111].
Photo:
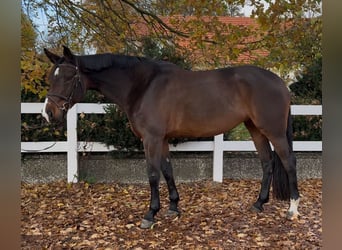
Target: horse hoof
[292, 216]
[256, 209]
[172, 213]
[146, 224]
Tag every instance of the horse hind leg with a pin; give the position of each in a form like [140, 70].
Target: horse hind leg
[288, 163]
[265, 154]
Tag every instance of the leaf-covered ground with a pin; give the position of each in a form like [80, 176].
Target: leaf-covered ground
[214, 216]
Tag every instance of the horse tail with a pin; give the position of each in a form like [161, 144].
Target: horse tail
[280, 183]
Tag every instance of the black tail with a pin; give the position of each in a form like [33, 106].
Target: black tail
[280, 183]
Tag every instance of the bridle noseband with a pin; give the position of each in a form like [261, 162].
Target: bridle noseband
[76, 81]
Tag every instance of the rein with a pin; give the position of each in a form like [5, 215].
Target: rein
[65, 106]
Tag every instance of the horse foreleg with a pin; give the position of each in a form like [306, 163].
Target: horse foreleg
[166, 168]
[153, 149]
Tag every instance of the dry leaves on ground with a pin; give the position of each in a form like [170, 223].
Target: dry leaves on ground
[214, 216]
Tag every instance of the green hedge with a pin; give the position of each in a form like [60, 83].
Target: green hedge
[308, 90]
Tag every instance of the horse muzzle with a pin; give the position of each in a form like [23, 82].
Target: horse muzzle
[52, 113]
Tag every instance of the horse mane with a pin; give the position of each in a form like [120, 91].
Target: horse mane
[99, 62]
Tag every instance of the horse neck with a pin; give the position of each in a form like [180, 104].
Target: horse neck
[117, 85]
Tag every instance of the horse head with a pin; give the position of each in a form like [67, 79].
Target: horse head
[66, 87]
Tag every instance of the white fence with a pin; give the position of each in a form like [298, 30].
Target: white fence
[218, 146]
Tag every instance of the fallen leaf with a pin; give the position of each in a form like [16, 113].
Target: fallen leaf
[107, 216]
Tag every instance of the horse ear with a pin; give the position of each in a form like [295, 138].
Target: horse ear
[53, 57]
[68, 55]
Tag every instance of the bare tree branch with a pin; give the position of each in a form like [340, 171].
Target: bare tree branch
[156, 18]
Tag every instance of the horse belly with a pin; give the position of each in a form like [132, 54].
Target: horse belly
[205, 125]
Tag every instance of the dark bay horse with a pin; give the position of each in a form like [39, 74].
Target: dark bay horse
[163, 101]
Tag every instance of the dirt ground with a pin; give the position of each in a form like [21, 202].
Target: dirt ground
[214, 216]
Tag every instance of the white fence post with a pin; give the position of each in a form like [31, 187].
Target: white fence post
[72, 155]
[218, 158]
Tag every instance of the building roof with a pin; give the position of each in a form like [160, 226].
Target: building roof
[175, 22]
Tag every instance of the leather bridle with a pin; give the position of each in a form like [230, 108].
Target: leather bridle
[67, 99]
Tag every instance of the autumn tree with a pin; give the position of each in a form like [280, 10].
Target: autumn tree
[190, 7]
[284, 29]
[120, 26]
[292, 33]
[28, 34]
[287, 32]
[33, 66]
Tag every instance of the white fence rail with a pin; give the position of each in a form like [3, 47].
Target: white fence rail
[218, 146]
